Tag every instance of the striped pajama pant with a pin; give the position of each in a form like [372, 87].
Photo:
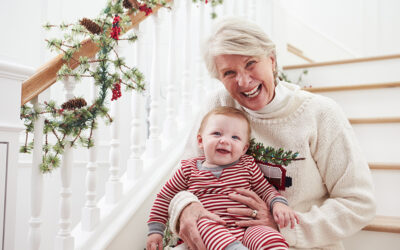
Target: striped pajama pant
[218, 237]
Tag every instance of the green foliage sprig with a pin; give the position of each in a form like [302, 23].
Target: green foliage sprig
[283, 77]
[73, 122]
[270, 155]
[214, 3]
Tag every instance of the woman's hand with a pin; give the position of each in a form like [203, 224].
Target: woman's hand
[154, 242]
[254, 202]
[188, 224]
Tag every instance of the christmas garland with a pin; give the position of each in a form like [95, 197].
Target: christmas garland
[270, 155]
[73, 121]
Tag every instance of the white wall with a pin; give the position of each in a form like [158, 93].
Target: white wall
[366, 27]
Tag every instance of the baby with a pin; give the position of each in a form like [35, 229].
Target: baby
[224, 137]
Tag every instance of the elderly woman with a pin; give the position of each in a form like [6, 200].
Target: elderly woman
[331, 190]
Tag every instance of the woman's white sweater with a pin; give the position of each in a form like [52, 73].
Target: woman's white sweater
[332, 189]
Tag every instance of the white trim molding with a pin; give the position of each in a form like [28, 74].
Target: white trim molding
[15, 71]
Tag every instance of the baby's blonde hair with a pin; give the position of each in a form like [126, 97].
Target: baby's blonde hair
[228, 111]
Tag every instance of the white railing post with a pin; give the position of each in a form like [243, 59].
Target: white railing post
[154, 143]
[114, 184]
[64, 240]
[171, 125]
[279, 28]
[135, 162]
[199, 89]
[186, 111]
[34, 235]
[253, 10]
[236, 8]
[90, 212]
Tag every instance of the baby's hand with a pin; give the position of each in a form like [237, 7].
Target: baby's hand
[284, 214]
[154, 242]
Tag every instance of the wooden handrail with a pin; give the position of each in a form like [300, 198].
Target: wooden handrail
[353, 87]
[374, 120]
[47, 74]
[346, 61]
[384, 166]
[389, 224]
[295, 51]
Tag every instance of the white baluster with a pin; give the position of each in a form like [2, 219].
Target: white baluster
[90, 212]
[226, 8]
[186, 111]
[253, 10]
[34, 235]
[64, 240]
[114, 184]
[279, 28]
[154, 143]
[245, 10]
[171, 126]
[236, 8]
[135, 162]
[199, 89]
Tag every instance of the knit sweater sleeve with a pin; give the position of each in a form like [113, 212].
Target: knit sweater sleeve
[350, 203]
[159, 211]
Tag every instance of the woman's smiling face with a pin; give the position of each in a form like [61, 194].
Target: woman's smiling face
[249, 79]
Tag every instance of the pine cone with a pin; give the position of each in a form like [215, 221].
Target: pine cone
[91, 26]
[127, 4]
[75, 103]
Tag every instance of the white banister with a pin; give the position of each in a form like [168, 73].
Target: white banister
[253, 10]
[34, 235]
[135, 162]
[186, 111]
[90, 211]
[64, 240]
[279, 28]
[200, 72]
[114, 184]
[171, 125]
[154, 143]
[236, 8]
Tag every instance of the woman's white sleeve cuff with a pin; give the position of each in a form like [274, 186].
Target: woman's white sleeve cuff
[177, 204]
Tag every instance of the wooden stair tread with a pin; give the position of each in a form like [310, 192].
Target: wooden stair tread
[374, 120]
[353, 87]
[338, 62]
[384, 166]
[389, 224]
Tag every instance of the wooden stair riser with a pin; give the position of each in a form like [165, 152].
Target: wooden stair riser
[387, 182]
[357, 73]
[368, 103]
[372, 240]
[379, 142]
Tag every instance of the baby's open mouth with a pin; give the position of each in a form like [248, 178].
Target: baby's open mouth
[223, 151]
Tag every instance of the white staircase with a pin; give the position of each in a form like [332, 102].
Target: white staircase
[368, 90]
[119, 221]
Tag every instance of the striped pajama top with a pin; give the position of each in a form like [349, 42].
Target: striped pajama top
[213, 191]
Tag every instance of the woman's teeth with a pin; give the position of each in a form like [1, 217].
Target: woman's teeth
[252, 93]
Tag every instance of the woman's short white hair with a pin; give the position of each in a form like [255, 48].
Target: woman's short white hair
[236, 36]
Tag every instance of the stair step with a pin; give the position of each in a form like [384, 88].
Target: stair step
[388, 224]
[355, 60]
[353, 87]
[374, 120]
[384, 166]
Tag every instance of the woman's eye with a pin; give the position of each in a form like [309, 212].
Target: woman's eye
[229, 72]
[249, 63]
